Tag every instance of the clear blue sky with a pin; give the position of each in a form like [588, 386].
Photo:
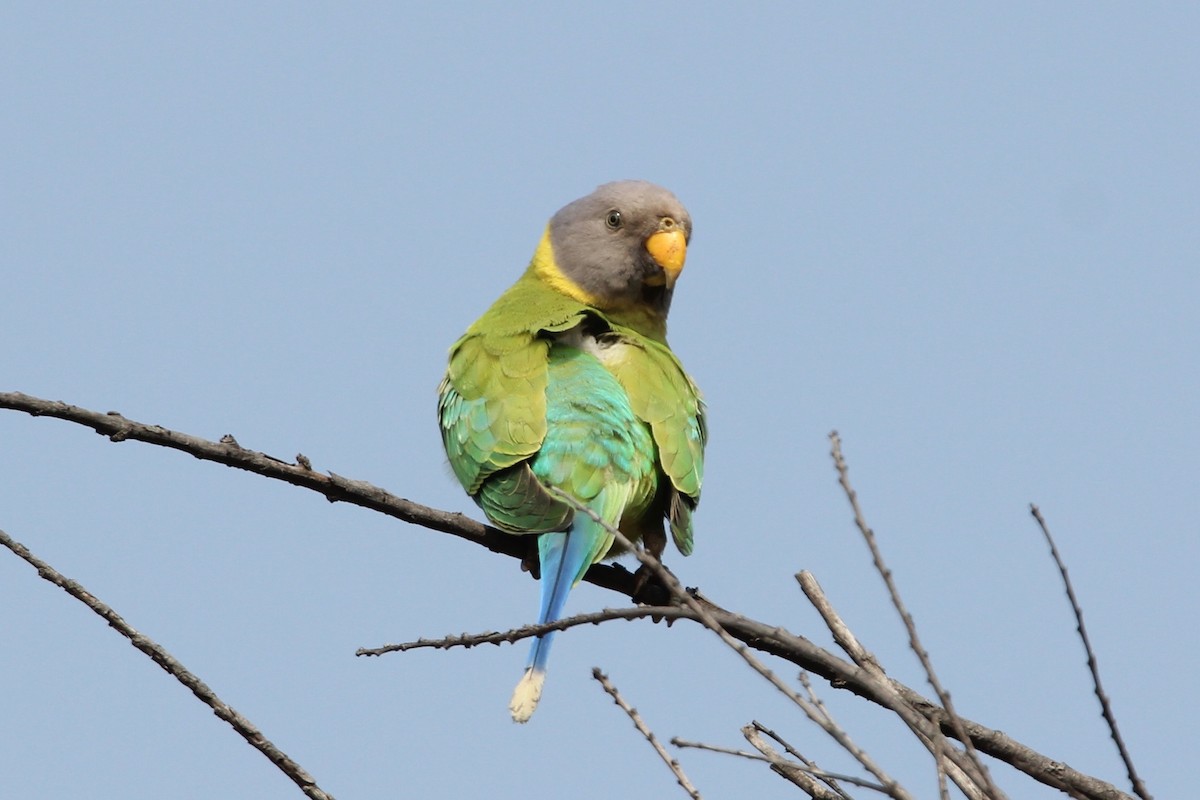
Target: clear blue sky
[965, 238]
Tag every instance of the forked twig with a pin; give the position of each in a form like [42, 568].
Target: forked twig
[796, 754]
[730, 751]
[672, 764]
[816, 783]
[788, 770]
[793, 752]
[1139, 788]
[175, 669]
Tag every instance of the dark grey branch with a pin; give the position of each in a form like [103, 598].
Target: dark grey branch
[672, 764]
[176, 670]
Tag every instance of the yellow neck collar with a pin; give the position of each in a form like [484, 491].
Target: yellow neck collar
[546, 268]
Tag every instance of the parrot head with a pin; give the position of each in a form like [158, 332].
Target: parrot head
[621, 246]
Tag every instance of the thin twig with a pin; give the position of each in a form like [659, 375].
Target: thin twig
[176, 670]
[671, 763]
[789, 770]
[806, 682]
[983, 777]
[1139, 788]
[529, 631]
[716, 748]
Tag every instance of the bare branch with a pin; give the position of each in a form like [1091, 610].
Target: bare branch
[758, 635]
[160, 656]
[529, 631]
[789, 770]
[703, 611]
[671, 763]
[333, 487]
[1139, 788]
[228, 452]
[926, 732]
[842, 634]
[976, 765]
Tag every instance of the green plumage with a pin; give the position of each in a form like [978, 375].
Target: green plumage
[493, 410]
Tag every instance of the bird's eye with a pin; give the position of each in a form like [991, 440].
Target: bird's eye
[613, 220]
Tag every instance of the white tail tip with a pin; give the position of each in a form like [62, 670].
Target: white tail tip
[526, 695]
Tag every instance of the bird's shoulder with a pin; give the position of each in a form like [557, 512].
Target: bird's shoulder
[665, 397]
[492, 400]
[528, 308]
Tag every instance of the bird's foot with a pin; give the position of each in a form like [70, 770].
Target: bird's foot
[649, 589]
[531, 562]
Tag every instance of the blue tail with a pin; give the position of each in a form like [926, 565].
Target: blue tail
[564, 557]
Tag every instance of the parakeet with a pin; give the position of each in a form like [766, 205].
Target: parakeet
[567, 381]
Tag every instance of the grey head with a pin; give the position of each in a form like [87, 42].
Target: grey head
[624, 244]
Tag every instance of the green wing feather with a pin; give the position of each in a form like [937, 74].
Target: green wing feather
[492, 406]
[664, 397]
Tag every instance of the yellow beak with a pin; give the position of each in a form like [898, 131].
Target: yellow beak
[668, 249]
